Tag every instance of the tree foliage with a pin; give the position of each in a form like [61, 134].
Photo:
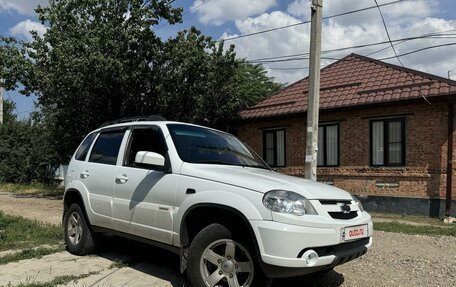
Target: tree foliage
[101, 60]
[25, 154]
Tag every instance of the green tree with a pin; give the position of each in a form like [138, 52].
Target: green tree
[25, 154]
[8, 112]
[93, 64]
[100, 60]
[201, 81]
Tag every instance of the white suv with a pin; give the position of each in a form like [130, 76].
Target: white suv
[205, 195]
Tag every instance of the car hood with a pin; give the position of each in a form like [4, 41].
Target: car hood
[262, 180]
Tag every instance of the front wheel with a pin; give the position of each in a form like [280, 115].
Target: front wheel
[217, 258]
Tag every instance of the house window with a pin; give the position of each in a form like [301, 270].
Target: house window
[274, 147]
[328, 145]
[387, 142]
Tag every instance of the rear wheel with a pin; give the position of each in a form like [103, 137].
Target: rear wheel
[79, 238]
[217, 258]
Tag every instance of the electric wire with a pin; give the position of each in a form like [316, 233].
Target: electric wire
[360, 46]
[394, 49]
[307, 22]
[379, 59]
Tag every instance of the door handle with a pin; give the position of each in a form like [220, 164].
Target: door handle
[122, 179]
[85, 174]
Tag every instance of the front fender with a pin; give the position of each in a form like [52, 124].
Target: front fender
[240, 204]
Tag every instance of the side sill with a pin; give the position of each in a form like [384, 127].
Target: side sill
[171, 248]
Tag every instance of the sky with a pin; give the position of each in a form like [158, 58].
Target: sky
[225, 19]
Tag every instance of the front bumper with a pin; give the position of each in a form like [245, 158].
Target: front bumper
[282, 245]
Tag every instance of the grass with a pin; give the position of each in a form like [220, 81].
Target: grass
[37, 189]
[20, 233]
[399, 227]
[411, 218]
[29, 254]
[60, 280]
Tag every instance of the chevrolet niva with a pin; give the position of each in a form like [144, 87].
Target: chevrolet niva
[205, 195]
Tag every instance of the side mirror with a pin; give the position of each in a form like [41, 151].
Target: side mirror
[148, 158]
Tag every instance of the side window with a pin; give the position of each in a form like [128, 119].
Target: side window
[83, 149]
[145, 139]
[106, 148]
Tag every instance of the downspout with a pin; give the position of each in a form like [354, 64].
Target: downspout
[449, 181]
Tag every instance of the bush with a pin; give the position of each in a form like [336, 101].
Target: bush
[25, 156]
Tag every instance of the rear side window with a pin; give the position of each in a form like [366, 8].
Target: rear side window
[82, 151]
[106, 148]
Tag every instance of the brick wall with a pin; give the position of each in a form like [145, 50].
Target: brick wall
[424, 173]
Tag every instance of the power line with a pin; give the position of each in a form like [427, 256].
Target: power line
[403, 41]
[418, 50]
[387, 33]
[304, 56]
[307, 22]
[285, 69]
[439, 33]
[394, 49]
[380, 59]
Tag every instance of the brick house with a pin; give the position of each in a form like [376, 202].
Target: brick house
[384, 133]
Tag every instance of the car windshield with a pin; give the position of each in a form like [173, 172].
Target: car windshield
[201, 145]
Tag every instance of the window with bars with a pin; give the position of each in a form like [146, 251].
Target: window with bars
[387, 142]
[274, 147]
[328, 145]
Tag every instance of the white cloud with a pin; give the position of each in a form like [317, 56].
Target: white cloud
[407, 19]
[22, 29]
[24, 7]
[300, 9]
[217, 12]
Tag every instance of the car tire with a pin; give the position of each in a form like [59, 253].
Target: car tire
[218, 258]
[79, 237]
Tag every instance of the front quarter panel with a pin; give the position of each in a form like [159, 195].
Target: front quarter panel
[246, 202]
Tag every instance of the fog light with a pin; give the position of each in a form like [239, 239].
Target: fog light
[311, 257]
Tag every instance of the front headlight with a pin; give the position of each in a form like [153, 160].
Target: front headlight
[357, 202]
[288, 202]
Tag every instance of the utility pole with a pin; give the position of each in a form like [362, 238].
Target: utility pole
[449, 72]
[1, 101]
[313, 103]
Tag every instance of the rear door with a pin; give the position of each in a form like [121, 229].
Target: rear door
[144, 198]
[98, 175]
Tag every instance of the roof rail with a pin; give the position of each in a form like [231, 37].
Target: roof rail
[133, 119]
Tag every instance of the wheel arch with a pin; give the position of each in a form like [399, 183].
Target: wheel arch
[225, 214]
[71, 196]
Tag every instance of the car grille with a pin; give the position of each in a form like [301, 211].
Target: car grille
[343, 216]
[334, 249]
[334, 202]
[336, 212]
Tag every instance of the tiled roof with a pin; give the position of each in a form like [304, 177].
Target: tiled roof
[352, 81]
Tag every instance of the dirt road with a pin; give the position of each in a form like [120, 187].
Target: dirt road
[394, 260]
[32, 207]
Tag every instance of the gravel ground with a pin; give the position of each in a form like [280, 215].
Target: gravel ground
[394, 260]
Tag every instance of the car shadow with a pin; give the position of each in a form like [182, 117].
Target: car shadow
[164, 264]
[144, 258]
[330, 279]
